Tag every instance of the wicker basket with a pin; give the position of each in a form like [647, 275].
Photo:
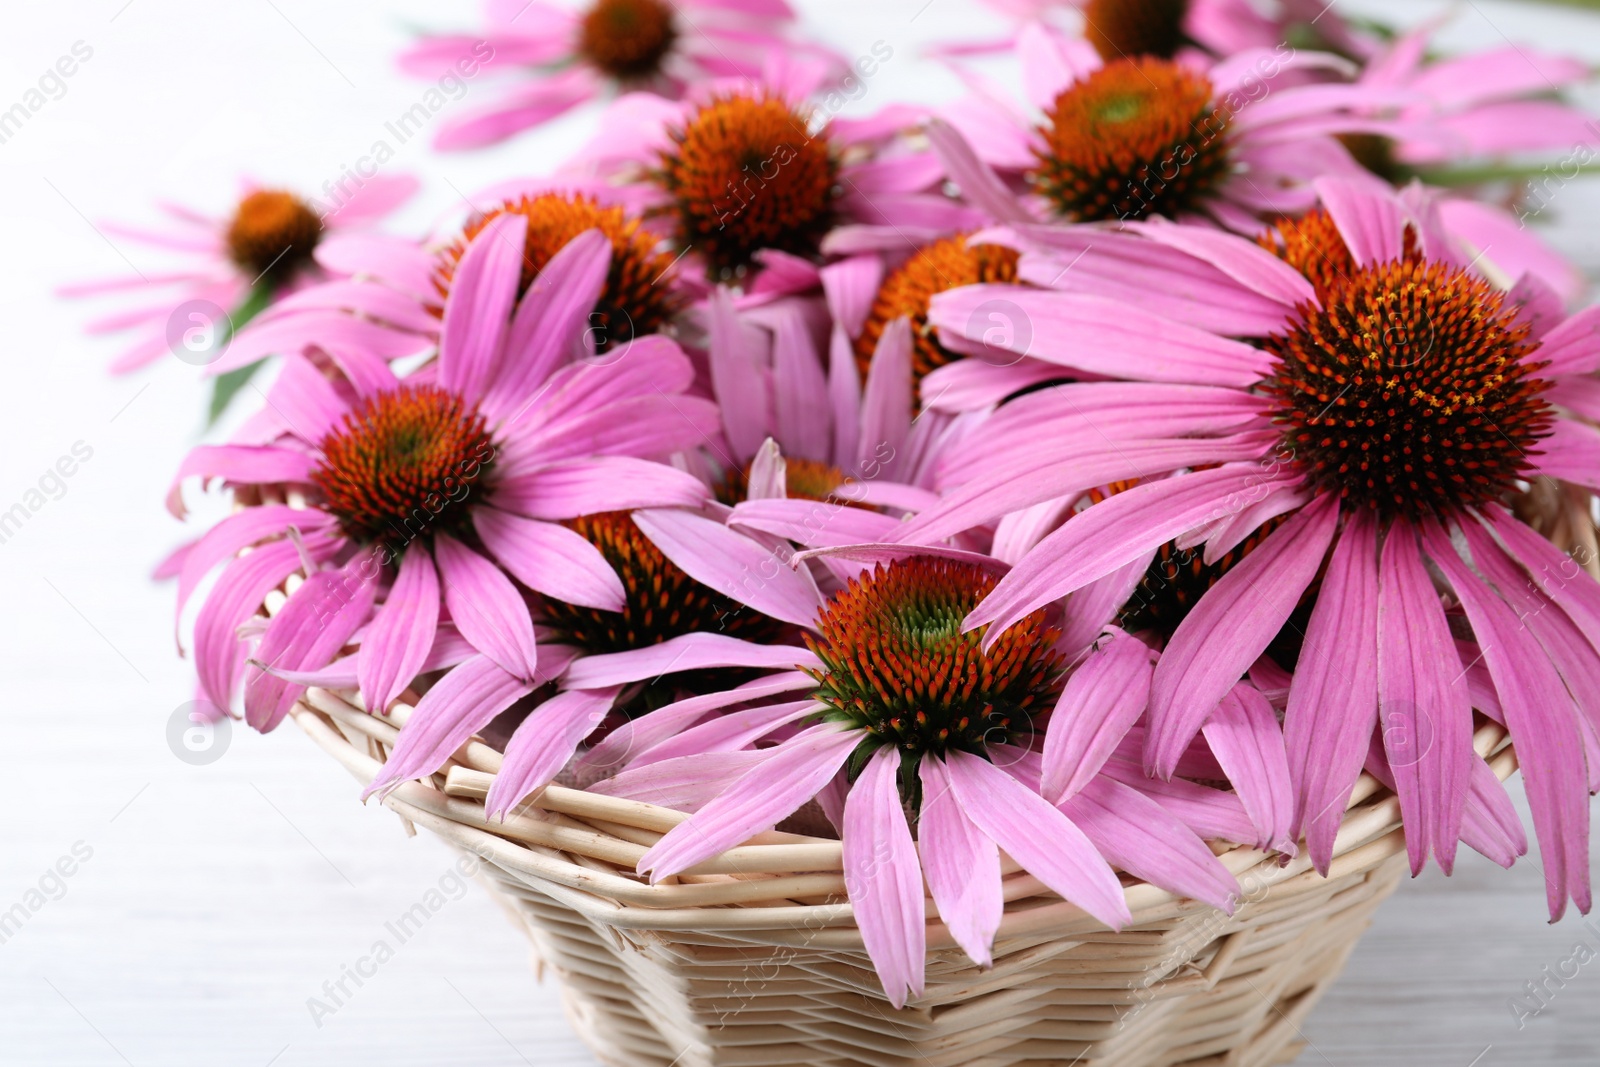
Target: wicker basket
[753, 957]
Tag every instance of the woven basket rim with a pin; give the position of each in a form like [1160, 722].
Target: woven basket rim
[580, 848]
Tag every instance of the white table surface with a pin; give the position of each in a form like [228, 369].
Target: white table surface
[217, 899]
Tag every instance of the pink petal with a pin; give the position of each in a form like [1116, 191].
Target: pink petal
[1240, 259]
[1372, 223]
[687, 783]
[240, 464]
[486, 607]
[886, 403]
[1102, 699]
[306, 399]
[594, 484]
[398, 261]
[317, 620]
[1113, 533]
[1041, 839]
[735, 377]
[733, 565]
[477, 313]
[1424, 709]
[1570, 452]
[1543, 725]
[1333, 701]
[979, 185]
[1229, 627]
[883, 878]
[687, 652]
[730, 731]
[1141, 837]
[550, 559]
[961, 864]
[765, 796]
[1244, 734]
[237, 595]
[802, 413]
[243, 528]
[1555, 574]
[401, 635]
[460, 704]
[550, 317]
[1211, 813]
[544, 743]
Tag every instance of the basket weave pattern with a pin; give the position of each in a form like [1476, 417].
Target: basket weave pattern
[752, 958]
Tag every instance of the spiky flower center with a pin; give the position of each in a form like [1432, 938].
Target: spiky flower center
[404, 464]
[628, 39]
[1138, 137]
[896, 664]
[636, 300]
[745, 173]
[945, 264]
[661, 601]
[1121, 29]
[1410, 392]
[272, 234]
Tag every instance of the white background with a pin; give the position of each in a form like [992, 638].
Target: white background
[219, 898]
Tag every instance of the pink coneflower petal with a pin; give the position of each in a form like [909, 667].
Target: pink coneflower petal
[729, 732]
[1051, 62]
[1102, 699]
[463, 702]
[1229, 627]
[1424, 709]
[243, 528]
[306, 399]
[317, 620]
[1371, 223]
[768, 478]
[1489, 821]
[1556, 574]
[521, 109]
[1543, 724]
[638, 737]
[1571, 452]
[543, 743]
[373, 198]
[558, 302]
[258, 465]
[399, 262]
[370, 299]
[1036, 835]
[1333, 702]
[884, 879]
[550, 559]
[736, 378]
[886, 402]
[816, 523]
[1095, 334]
[733, 564]
[1211, 813]
[961, 864]
[1090, 609]
[1246, 262]
[696, 651]
[572, 488]
[686, 783]
[978, 183]
[401, 635]
[336, 332]
[762, 798]
[803, 417]
[1244, 734]
[486, 607]
[1511, 245]
[1113, 533]
[1141, 837]
[478, 314]
[237, 595]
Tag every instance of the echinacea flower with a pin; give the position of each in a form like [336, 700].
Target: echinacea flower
[434, 496]
[902, 711]
[1135, 137]
[745, 169]
[567, 57]
[1384, 418]
[239, 263]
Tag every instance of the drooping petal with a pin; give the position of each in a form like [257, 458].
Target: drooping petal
[486, 607]
[1333, 701]
[1424, 709]
[1141, 837]
[1040, 838]
[886, 402]
[1229, 627]
[460, 704]
[398, 641]
[961, 864]
[1244, 735]
[545, 742]
[686, 652]
[1104, 697]
[1543, 724]
[316, 621]
[730, 731]
[790, 775]
[733, 564]
[550, 559]
[592, 484]
[883, 878]
[218, 653]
